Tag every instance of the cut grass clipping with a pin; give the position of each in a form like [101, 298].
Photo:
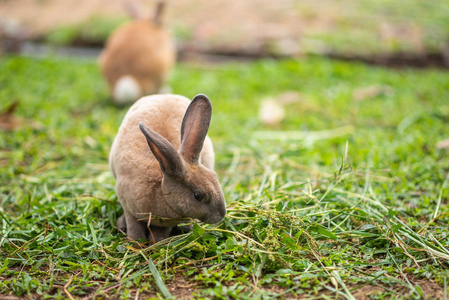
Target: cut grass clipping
[348, 198]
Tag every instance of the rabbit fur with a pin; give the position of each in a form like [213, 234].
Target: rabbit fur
[162, 168]
[137, 59]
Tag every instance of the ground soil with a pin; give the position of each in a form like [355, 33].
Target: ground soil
[256, 28]
[182, 287]
[249, 24]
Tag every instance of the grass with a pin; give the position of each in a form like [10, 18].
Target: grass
[349, 199]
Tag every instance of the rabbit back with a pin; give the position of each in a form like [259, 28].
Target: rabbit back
[139, 50]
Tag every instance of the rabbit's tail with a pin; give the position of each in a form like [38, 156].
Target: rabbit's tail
[126, 90]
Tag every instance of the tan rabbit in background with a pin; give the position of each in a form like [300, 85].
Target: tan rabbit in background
[168, 170]
[138, 57]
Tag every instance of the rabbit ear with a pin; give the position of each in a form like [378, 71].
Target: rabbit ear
[167, 156]
[194, 128]
[159, 12]
[132, 9]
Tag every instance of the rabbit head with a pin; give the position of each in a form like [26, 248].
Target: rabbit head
[188, 187]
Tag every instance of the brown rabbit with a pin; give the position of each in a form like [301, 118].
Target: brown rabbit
[138, 57]
[166, 172]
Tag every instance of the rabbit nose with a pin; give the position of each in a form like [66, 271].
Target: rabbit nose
[222, 209]
[220, 213]
[216, 215]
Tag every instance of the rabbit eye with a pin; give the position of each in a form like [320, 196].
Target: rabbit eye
[198, 196]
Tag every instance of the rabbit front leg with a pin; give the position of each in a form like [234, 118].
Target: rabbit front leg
[121, 223]
[134, 229]
[139, 230]
[157, 233]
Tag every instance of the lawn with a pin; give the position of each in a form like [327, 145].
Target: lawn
[347, 198]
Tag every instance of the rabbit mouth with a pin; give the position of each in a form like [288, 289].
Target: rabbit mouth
[212, 219]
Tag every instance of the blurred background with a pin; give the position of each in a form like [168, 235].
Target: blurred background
[408, 32]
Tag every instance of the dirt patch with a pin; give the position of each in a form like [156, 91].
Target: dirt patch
[400, 60]
[183, 287]
[37, 17]
[430, 288]
[253, 29]
[201, 20]
[365, 293]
